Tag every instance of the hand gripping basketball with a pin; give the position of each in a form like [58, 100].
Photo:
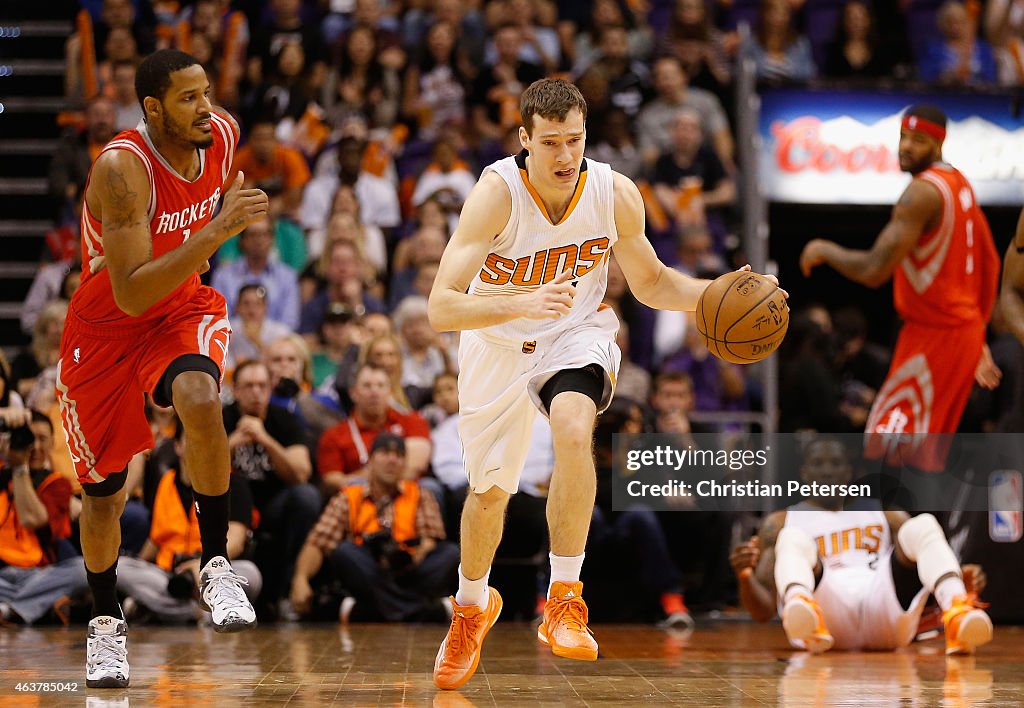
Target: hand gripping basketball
[241, 207]
[551, 300]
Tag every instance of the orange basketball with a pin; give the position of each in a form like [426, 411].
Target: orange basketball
[743, 317]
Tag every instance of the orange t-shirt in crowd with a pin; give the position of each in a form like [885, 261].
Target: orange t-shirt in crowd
[287, 169]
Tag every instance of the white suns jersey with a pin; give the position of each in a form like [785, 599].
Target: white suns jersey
[845, 539]
[531, 250]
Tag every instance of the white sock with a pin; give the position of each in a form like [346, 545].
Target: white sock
[947, 589]
[565, 569]
[472, 592]
[795, 558]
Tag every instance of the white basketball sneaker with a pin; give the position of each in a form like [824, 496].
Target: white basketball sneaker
[222, 595]
[106, 653]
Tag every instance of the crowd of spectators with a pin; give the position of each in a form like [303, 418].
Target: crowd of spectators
[367, 122]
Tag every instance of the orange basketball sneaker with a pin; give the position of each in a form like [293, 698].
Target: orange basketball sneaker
[459, 654]
[967, 625]
[805, 625]
[564, 625]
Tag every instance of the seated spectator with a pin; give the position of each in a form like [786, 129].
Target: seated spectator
[467, 26]
[88, 45]
[267, 450]
[810, 396]
[227, 33]
[10, 400]
[423, 357]
[368, 240]
[120, 48]
[692, 38]
[128, 112]
[44, 350]
[628, 79]
[377, 196]
[344, 275]
[540, 45]
[780, 52]
[436, 85]
[672, 402]
[346, 203]
[958, 57]
[343, 451]
[75, 153]
[423, 248]
[340, 337]
[494, 100]
[51, 282]
[690, 181]
[251, 330]
[617, 145]
[35, 518]
[857, 51]
[584, 47]
[384, 541]
[446, 180]
[277, 169]
[362, 83]
[258, 266]
[1004, 27]
[285, 94]
[285, 27]
[385, 353]
[290, 366]
[654, 125]
[164, 577]
[289, 246]
[444, 404]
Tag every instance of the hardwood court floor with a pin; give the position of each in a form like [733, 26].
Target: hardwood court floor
[730, 663]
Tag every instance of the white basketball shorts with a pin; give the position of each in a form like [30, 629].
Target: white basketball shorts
[499, 392]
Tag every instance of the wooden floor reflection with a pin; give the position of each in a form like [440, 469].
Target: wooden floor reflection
[725, 664]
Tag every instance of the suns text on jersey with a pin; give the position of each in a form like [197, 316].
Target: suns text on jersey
[181, 219]
[543, 266]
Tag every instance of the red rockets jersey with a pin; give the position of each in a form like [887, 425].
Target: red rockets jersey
[177, 209]
[951, 276]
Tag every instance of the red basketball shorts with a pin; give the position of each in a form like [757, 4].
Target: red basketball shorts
[926, 391]
[105, 370]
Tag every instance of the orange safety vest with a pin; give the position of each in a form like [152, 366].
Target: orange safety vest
[362, 512]
[171, 530]
[20, 546]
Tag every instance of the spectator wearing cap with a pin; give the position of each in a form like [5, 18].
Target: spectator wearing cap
[251, 331]
[258, 265]
[267, 447]
[340, 338]
[384, 541]
[344, 448]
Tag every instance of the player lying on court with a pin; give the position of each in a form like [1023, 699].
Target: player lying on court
[141, 322]
[524, 276]
[855, 578]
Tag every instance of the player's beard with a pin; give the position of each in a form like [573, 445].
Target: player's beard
[177, 132]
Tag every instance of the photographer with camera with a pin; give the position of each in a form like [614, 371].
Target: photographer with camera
[35, 515]
[164, 578]
[383, 541]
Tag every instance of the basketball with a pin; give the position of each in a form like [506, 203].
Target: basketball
[743, 317]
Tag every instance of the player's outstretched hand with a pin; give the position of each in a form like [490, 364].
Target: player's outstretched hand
[812, 256]
[551, 300]
[241, 207]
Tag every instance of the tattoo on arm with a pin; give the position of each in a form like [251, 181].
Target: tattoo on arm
[122, 200]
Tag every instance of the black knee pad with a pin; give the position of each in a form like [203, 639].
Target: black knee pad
[108, 487]
[589, 381]
[162, 394]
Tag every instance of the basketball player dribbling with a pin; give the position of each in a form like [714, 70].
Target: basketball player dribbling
[855, 577]
[141, 322]
[523, 278]
[938, 249]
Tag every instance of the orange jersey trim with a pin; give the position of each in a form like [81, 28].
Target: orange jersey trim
[580, 183]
